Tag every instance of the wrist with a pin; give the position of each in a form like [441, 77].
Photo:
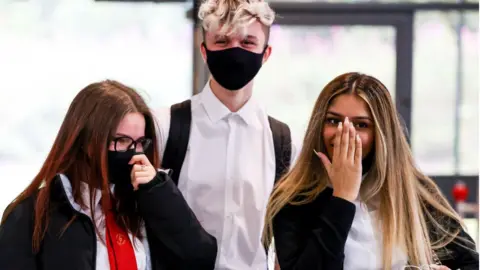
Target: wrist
[348, 196]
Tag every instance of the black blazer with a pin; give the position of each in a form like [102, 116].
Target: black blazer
[176, 239]
[312, 236]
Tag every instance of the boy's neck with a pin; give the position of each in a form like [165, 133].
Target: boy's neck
[233, 100]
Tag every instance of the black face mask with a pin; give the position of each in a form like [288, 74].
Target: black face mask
[235, 67]
[118, 167]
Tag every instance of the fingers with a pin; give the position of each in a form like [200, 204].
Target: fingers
[344, 140]
[351, 144]
[143, 170]
[140, 159]
[326, 162]
[336, 143]
[347, 145]
[139, 168]
[142, 174]
[358, 150]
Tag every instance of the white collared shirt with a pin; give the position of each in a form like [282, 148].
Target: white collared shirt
[228, 175]
[364, 246]
[142, 254]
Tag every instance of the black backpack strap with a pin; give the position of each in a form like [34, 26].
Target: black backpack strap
[282, 143]
[178, 137]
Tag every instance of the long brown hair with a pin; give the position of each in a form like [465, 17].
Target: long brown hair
[410, 204]
[80, 152]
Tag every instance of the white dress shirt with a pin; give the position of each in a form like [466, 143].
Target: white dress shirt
[363, 249]
[228, 175]
[142, 254]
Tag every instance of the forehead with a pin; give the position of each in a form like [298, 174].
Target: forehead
[254, 30]
[133, 125]
[350, 105]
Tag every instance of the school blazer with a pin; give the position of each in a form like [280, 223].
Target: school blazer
[176, 239]
[312, 236]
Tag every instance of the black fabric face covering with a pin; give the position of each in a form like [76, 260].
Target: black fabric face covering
[234, 68]
[118, 167]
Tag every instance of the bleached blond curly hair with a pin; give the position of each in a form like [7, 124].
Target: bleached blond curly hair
[233, 16]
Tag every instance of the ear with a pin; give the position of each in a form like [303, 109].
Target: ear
[203, 52]
[267, 53]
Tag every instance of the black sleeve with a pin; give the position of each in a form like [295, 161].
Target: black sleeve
[16, 238]
[462, 254]
[173, 223]
[305, 240]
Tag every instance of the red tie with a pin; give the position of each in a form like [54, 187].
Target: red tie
[120, 250]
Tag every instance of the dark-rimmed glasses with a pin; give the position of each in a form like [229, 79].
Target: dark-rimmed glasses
[124, 143]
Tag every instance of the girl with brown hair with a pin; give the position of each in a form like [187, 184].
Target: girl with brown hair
[99, 201]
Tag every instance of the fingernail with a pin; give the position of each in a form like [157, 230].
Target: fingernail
[346, 120]
[357, 137]
[339, 124]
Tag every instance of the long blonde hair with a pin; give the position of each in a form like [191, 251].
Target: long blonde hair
[410, 204]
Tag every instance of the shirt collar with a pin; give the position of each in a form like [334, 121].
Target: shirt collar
[216, 110]
[85, 194]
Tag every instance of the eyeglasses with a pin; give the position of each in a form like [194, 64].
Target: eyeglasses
[124, 143]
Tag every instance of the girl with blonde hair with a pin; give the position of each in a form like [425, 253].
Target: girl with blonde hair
[355, 198]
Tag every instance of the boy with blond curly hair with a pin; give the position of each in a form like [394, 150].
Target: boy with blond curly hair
[224, 150]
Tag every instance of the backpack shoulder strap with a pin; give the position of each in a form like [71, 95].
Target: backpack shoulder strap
[178, 137]
[282, 143]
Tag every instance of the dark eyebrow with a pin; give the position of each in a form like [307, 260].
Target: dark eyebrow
[120, 135]
[354, 118]
[251, 37]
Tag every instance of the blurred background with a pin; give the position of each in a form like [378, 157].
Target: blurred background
[425, 52]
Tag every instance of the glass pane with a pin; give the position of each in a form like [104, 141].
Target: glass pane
[305, 58]
[49, 50]
[472, 229]
[439, 75]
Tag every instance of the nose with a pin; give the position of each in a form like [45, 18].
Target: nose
[234, 43]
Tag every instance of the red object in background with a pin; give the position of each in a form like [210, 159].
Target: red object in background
[460, 192]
